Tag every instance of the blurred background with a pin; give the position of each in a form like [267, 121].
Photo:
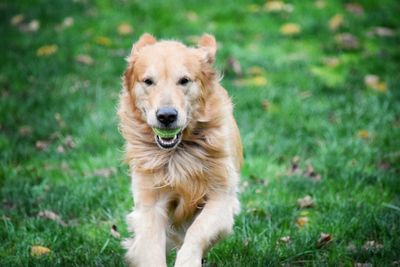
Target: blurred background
[316, 88]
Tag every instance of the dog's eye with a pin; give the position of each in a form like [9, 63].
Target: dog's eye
[148, 81]
[183, 81]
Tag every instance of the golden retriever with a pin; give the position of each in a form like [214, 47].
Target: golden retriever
[184, 186]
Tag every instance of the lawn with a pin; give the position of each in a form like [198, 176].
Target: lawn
[316, 87]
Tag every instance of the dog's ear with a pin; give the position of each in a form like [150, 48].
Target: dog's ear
[208, 45]
[144, 40]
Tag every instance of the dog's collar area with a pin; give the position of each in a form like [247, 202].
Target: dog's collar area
[168, 143]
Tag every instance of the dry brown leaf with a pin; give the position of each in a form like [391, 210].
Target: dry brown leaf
[320, 4]
[355, 8]
[323, 240]
[373, 82]
[310, 173]
[42, 144]
[285, 239]
[302, 221]
[60, 149]
[347, 41]
[278, 6]
[104, 172]
[372, 246]
[256, 70]
[305, 202]
[47, 50]
[234, 65]
[381, 32]
[25, 130]
[69, 142]
[84, 59]
[124, 29]
[335, 22]
[191, 16]
[364, 134]
[114, 232]
[290, 29]
[32, 26]
[103, 41]
[17, 19]
[331, 62]
[37, 251]
[47, 214]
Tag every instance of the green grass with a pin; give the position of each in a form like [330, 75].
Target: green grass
[315, 112]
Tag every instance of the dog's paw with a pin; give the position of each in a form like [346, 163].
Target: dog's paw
[188, 257]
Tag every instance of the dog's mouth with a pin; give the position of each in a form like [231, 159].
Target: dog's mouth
[168, 142]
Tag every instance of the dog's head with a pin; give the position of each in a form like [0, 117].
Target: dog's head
[168, 84]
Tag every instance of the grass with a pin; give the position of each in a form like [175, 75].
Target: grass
[293, 104]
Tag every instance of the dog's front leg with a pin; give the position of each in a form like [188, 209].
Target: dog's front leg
[215, 219]
[148, 222]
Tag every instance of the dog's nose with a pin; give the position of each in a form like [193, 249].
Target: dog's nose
[167, 115]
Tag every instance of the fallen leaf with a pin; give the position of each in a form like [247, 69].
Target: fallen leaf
[234, 65]
[25, 130]
[305, 202]
[372, 246]
[364, 134]
[32, 26]
[355, 8]
[69, 142]
[294, 167]
[60, 121]
[310, 173]
[42, 144]
[302, 221]
[37, 251]
[47, 50]
[285, 239]
[384, 166]
[60, 149]
[347, 41]
[124, 29]
[256, 70]
[290, 29]
[323, 240]
[331, 62]
[114, 232]
[253, 8]
[104, 41]
[351, 248]
[191, 16]
[366, 264]
[381, 32]
[104, 172]
[17, 19]
[256, 81]
[335, 22]
[320, 4]
[84, 59]
[47, 214]
[373, 82]
[67, 22]
[278, 6]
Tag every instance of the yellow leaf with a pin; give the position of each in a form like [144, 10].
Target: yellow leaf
[278, 6]
[302, 221]
[191, 16]
[373, 82]
[124, 29]
[253, 8]
[364, 134]
[290, 29]
[320, 4]
[331, 62]
[47, 50]
[104, 41]
[335, 22]
[39, 251]
[256, 70]
[257, 81]
[17, 19]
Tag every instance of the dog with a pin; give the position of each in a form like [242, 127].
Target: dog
[184, 186]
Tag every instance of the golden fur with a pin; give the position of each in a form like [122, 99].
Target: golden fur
[173, 187]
